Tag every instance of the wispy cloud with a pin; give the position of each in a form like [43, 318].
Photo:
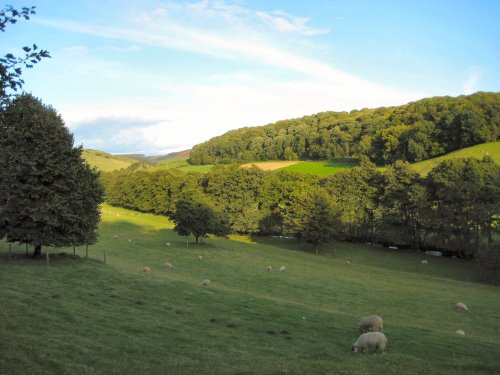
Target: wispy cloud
[470, 85]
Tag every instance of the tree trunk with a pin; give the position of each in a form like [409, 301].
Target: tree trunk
[38, 251]
[196, 239]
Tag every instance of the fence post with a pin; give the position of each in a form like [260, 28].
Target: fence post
[47, 255]
[86, 251]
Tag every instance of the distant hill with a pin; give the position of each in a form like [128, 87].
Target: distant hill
[478, 151]
[412, 132]
[106, 162]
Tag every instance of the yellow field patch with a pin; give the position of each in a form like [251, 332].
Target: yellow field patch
[271, 165]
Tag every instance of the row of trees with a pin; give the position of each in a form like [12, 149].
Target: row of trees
[454, 208]
[412, 132]
[49, 195]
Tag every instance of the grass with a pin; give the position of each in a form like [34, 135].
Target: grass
[320, 168]
[180, 161]
[81, 316]
[478, 152]
[104, 161]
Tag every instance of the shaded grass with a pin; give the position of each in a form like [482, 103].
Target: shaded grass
[81, 316]
[104, 161]
[320, 168]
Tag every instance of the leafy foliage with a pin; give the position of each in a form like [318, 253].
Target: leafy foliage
[49, 195]
[412, 132]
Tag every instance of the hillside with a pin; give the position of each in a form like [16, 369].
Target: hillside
[413, 132]
[106, 162]
[479, 151]
[83, 316]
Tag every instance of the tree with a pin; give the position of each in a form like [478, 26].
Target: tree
[10, 65]
[50, 197]
[322, 220]
[195, 216]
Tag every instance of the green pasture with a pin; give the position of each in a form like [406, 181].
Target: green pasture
[104, 161]
[478, 152]
[181, 162]
[82, 316]
[320, 168]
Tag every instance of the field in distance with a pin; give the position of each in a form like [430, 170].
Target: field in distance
[82, 316]
[106, 162]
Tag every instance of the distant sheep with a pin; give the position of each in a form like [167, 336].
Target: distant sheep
[129, 240]
[146, 269]
[167, 243]
[370, 342]
[269, 268]
[168, 265]
[460, 332]
[371, 323]
[115, 236]
[462, 307]
[282, 269]
[205, 282]
[424, 261]
[200, 257]
[347, 262]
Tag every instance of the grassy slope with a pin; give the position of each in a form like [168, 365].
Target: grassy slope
[180, 161]
[81, 316]
[478, 151]
[104, 161]
[320, 168]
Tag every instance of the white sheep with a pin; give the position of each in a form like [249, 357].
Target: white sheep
[460, 332]
[424, 261]
[200, 257]
[282, 269]
[167, 243]
[205, 282]
[115, 236]
[146, 269]
[269, 268]
[371, 323]
[168, 265]
[129, 240]
[370, 342]
[462, 307]
[347, 262]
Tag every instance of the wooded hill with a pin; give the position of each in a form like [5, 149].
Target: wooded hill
[413, 132]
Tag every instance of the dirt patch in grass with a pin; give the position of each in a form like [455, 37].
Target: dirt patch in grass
[271, 165]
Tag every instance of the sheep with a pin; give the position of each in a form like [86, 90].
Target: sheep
[424, 261]
[370, 342]
[460, 332]
[371, 323]
[200, 257]
[115, 236]
[269, 268]
[146, 269]
[167, 243]
[462, 307]
[347, 262]
[205, 282]
[282, 269]
[129, 240]
[168, 265]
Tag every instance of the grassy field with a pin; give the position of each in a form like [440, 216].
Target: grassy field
[81, 316]
[104, 161]
[478, 152]
[320, 168]
[180, 162]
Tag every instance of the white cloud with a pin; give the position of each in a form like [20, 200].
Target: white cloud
[189, 113]
[470, 85]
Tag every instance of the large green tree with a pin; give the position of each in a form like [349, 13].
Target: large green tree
[50, 196]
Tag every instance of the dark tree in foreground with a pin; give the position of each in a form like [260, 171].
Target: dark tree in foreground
[10, 65]
[50, 196]
[322, 221]
[195, 216]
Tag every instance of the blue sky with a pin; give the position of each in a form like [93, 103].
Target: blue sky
[156, 76]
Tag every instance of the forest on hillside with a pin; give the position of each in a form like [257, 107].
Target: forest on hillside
[413, 132]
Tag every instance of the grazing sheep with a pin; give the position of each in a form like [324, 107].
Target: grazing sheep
[347, 262]
[370, 342]
[424, 261]
[269, 268]
[205, 282]
[200, 257]
[115, 236]
[129, 240]
[282, 269]
[371, 323]
[167, 243]
[146, 269]
[460, 332]
[168, 265]
[462, 307]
